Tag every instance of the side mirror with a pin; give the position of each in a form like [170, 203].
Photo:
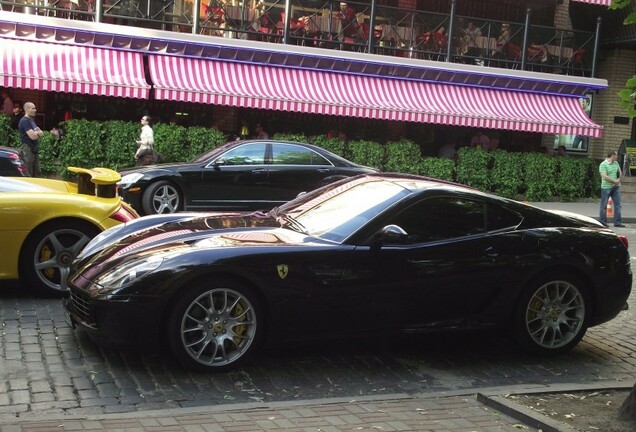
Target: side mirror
[390, 234]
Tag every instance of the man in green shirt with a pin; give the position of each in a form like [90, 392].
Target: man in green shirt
[610, 172]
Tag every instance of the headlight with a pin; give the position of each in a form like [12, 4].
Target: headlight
[128, 273]
[129, 179]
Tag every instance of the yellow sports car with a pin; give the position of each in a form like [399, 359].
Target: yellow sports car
[45, 223]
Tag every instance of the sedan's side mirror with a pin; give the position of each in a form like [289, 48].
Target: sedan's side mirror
[392, 234]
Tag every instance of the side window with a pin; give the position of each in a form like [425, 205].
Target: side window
[499, 218]
[442, 218]
[249, 154]
[290, 154]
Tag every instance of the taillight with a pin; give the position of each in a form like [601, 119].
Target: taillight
[15, 160]
[624, 240]
[124, 214]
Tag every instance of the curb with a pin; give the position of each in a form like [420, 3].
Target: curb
[535, 419]
[527, 416]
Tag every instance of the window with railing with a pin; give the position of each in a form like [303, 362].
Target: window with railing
[380, 27]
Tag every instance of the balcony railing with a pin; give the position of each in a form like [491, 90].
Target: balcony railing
[362, 27]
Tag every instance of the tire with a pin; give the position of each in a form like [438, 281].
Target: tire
[214, 326]
[161, 197]
[48, 252]
[552, 315]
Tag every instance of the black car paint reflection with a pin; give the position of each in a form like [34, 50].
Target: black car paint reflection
[369, 255]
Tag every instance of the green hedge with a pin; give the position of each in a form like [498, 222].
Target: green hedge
[535, 176]
[473, 168]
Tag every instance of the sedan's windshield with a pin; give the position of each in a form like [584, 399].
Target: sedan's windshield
[340, 210]
[215, 151]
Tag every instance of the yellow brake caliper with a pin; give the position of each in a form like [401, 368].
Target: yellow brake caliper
[45, 255]
[239, 330]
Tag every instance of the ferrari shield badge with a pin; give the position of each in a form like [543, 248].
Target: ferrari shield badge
[282, 270]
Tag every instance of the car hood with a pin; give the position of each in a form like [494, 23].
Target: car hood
[174, 237]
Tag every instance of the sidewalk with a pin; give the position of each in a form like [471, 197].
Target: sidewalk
[386, 413]
[589, 209]
[482, 410]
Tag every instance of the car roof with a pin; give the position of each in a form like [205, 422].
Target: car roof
[415, 182]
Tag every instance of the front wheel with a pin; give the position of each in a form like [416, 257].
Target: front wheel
[214, 326]
[552, 315]
[161, 197]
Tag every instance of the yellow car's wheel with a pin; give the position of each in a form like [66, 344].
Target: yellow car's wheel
[48, 252]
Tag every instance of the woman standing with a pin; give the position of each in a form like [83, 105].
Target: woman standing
[145, 151]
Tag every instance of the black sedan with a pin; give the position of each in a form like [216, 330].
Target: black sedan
[368, 255]
[240, 175]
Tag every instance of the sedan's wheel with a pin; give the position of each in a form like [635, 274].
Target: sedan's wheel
[214, 327]
[553, 314]
[161, 197]
[48, 252]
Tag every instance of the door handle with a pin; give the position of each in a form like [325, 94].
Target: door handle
[258, 171]
[323, 170]
[491, 252]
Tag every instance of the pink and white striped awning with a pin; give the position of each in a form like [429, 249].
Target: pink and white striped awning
[598, 2]
[72, 69]
[320, 92]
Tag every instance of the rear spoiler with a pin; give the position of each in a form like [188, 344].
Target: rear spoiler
[101, 182]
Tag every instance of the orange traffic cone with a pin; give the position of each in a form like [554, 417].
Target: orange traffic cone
[610, 208]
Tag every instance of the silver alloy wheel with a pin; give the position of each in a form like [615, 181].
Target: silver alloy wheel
[555, 314]
[218, 327]
[165, 199]
[54, 254]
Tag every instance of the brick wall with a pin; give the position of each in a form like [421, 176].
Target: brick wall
[617, 66]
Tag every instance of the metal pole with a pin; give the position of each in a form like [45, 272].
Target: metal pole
[286, 23]
[449, 45]
[99, 11]
[195, 17]
[371, 47]
[524, 47]
[596, 42]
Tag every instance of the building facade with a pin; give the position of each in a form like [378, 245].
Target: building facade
[430, 70]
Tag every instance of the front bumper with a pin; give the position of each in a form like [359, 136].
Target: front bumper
[122, 321]
[133, 197]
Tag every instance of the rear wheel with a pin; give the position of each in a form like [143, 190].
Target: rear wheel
[214, 326]
[48, 252]
[552, 316]
[161, 197]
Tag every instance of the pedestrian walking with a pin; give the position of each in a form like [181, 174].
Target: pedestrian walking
[146, 142]
[30, 134]
[610, 172]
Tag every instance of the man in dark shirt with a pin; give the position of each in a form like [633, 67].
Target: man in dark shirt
[30, 133]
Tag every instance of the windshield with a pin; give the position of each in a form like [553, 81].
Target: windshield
[208, 154]
[337, 211]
